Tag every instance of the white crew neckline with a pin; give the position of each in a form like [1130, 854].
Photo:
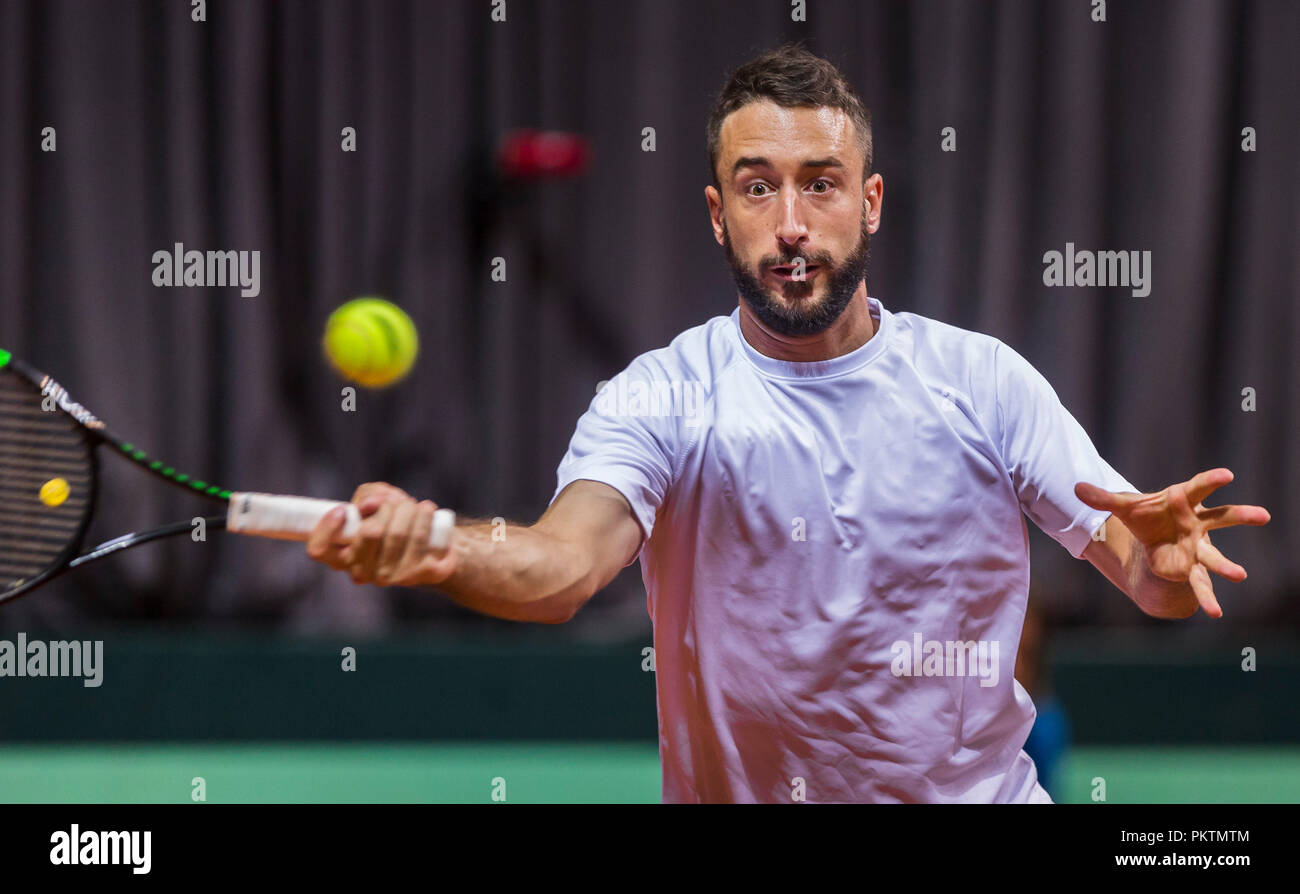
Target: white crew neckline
[821, 369]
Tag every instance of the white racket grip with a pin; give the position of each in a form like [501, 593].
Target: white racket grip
[293, 518]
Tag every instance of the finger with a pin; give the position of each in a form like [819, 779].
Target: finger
[439, 564]
[369, 505]
[438, 567]
[1106, 500]
[369, 539]
[1226, 516]
[320, 543]
[373, 494]
[418, 543]
[377, 488]
[395, 542]
[1209, 556]
[1203, 484]
[364, 490]
[1199, 578]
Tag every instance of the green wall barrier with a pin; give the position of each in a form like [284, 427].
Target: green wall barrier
[541, 686]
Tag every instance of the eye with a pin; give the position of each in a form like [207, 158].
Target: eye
[825, 183]
[752, 186]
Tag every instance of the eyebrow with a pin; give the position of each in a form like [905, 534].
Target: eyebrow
[758, 161]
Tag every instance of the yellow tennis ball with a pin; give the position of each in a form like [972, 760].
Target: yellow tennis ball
[371, 341]
[54, 491]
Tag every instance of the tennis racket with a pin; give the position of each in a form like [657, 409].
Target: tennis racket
[49, 473]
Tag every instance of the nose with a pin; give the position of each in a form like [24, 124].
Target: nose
[791, 229]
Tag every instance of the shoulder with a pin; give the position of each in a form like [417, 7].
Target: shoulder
[697, 356]
[971, 366]
[949, 351]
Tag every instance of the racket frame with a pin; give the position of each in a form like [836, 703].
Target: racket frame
[97, 435]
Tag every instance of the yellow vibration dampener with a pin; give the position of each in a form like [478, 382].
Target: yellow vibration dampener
[54, 491]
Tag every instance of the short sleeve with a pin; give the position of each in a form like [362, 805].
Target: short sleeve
[621, 441]
[1047, 452]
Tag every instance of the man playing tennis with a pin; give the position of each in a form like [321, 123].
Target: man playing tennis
[826, 498]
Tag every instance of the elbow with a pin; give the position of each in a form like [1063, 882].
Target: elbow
[559, 613]
[560, 608]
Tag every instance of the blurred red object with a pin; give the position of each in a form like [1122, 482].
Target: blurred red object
[542, 154]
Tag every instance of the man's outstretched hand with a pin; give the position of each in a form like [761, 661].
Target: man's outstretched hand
[1174, 528]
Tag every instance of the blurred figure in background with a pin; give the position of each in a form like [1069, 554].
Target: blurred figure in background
[1050, 737]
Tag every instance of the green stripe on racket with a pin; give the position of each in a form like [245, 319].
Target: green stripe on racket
[49, 472]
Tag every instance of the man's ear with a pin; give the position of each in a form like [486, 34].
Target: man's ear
[873, 195]
[716, 211]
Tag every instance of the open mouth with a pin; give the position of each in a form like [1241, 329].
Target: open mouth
[786, 272]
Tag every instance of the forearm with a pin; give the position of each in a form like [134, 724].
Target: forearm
[516, 572]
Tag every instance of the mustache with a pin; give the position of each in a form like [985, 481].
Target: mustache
[787, 258]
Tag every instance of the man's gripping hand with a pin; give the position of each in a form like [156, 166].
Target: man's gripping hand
[391, 548]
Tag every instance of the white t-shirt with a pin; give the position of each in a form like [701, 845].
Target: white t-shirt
[836, 561]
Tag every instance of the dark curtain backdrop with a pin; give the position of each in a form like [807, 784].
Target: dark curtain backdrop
[226, 135]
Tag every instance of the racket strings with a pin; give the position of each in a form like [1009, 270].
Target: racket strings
[45, 482]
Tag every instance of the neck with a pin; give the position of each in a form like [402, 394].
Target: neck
[852, 330]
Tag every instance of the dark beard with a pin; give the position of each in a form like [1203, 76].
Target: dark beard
[842, 282]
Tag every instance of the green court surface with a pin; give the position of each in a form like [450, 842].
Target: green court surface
[543, 773]
[332, 773]
[1179, 774]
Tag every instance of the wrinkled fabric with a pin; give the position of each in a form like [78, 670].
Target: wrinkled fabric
[836, 559]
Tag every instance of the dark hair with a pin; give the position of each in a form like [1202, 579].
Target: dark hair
[789, 76]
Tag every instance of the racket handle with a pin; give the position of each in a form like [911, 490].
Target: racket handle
[293, 518]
